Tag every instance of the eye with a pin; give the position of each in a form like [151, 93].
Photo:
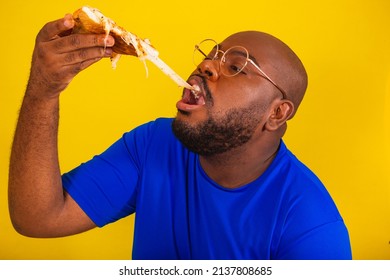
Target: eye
[236, 69]
[232, 69]
[233, 65]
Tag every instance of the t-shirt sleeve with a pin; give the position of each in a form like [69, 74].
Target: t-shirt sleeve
[106, 186]
[310, 225]
[326, 242]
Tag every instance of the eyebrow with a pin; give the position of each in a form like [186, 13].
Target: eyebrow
[251, 57]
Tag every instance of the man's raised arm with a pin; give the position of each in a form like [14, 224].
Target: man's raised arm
[38, 205]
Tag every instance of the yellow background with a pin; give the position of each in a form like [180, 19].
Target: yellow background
[342, 130]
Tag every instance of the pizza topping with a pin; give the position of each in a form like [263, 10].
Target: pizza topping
[91, 20]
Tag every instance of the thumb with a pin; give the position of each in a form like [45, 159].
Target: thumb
[56, 27]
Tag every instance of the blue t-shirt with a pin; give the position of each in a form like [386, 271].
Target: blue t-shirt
[181, 213]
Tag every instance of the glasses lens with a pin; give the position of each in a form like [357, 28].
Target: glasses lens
[234, 61]
[207, 49]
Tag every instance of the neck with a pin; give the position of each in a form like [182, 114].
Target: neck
[242, 165]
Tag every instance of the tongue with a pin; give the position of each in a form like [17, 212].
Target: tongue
[192, 100]
[199, 100]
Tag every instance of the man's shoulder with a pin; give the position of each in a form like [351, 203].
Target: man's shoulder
[294, 165]
[296, 179]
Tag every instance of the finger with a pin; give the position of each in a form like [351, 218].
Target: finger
[56, 27]
[69, 71]
[81, 55]
[81, 41]
[86, 63]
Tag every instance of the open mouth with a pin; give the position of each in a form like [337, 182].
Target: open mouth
[192, 99]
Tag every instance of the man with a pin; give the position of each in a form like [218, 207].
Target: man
[217, 182]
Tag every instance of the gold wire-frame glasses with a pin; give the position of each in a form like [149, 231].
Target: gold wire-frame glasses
[232, 62]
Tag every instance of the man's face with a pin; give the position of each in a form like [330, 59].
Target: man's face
[228, 110]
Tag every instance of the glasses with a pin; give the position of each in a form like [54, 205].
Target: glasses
[232, 62]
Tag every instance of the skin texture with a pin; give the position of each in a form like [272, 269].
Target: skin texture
[248, 106]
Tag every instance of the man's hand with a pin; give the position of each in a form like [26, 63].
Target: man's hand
[59, 56]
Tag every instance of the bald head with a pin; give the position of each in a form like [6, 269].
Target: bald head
[277, 60]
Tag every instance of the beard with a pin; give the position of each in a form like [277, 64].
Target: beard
[217, 135]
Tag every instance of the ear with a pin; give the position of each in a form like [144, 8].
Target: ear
[282, 111]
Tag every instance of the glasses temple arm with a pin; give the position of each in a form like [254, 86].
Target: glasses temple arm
[197, 48]
[268, 78]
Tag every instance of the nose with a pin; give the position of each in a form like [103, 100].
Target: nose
[210, 69]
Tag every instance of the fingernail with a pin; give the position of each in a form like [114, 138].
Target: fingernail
[108, 51]
[110, 41]
[68, 23]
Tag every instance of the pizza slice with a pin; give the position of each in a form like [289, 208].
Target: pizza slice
[91, 20]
